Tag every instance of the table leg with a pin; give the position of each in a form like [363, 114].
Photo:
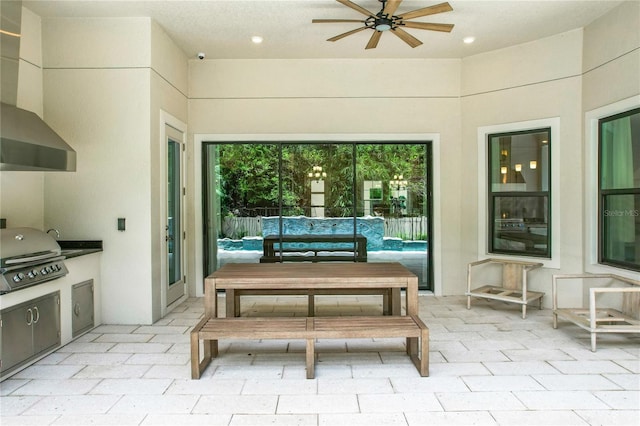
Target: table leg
[232, 305]
[311, 358]
[311, 304]
[396, 301]
[210, 298]
[412, 296]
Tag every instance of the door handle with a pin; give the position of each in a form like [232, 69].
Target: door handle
[76, 309]
[29, 316]
[37, 318]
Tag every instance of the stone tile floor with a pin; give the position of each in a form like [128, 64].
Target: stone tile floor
[488, 367]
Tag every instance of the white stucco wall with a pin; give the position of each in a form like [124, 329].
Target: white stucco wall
[611, 53]
[97, 85]
[320, 98]
[534, 90]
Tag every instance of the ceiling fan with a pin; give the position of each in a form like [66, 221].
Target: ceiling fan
[387, 20]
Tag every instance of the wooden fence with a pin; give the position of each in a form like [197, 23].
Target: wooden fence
[406, 228]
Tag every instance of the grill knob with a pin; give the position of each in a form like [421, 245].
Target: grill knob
[32, 273]
[18, 277]
[43, 271]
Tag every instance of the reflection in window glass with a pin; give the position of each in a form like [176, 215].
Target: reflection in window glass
[519, 182]
[619, 139]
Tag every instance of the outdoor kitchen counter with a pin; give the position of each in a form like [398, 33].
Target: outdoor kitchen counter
[76, 248]
[82, 268]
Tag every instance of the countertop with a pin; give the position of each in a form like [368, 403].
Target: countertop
[76, 248]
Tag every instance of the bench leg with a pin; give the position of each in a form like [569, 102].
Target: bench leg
[235, 306]
[424, 353]
[412, 346]
[195, 355]
[311, 358]
[210, 351]
[420, 358]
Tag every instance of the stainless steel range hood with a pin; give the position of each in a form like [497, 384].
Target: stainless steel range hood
[26, 141]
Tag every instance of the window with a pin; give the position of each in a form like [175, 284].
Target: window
[619, 189]
[519, 193]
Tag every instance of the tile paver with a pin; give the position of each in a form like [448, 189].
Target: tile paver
[488, 367]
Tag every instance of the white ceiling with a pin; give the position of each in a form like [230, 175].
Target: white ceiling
[222, 28]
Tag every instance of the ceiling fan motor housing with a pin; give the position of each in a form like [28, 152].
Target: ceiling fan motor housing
[381, 22]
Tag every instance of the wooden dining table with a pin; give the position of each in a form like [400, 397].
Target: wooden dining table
[309, 278]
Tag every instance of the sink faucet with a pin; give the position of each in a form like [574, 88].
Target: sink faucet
[56, 231]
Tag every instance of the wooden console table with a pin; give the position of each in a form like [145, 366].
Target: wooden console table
[512, 289]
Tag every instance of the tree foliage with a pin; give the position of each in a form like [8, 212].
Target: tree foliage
[249, 175]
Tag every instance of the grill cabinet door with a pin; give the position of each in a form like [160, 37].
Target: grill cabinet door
[46, 330]
[16, 343]
[82, 305]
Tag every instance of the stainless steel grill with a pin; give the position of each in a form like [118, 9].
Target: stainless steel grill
[28, 257]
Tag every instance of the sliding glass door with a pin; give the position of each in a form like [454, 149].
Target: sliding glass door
[378, 190]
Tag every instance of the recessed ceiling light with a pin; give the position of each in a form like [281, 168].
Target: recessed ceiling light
[256, 39]
[469, 40]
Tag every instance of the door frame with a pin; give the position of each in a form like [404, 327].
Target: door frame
[180, 127]
[196, 285]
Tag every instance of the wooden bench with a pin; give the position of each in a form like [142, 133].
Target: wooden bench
[314, 248]
[612, 307]
[512, 289]
[210, 330]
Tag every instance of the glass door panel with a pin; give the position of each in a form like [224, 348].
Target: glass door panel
[393, 197]
[241, 193]
[173, 226]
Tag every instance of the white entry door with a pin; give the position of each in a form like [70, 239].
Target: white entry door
[174, 221]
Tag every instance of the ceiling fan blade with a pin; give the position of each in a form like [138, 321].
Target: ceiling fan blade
[445, 28]
[431, 10]
[333, 21]
[354, 6]
[406, 37]
[373, 41]
[348, 33]
[391, 6]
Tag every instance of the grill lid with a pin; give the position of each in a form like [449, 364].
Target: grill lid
[21, 244]
[28, 257]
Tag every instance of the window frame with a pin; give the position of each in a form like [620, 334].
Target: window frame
[493, 195]
[482, 209]
[591, 178]
[200, 138]
[602, 194]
